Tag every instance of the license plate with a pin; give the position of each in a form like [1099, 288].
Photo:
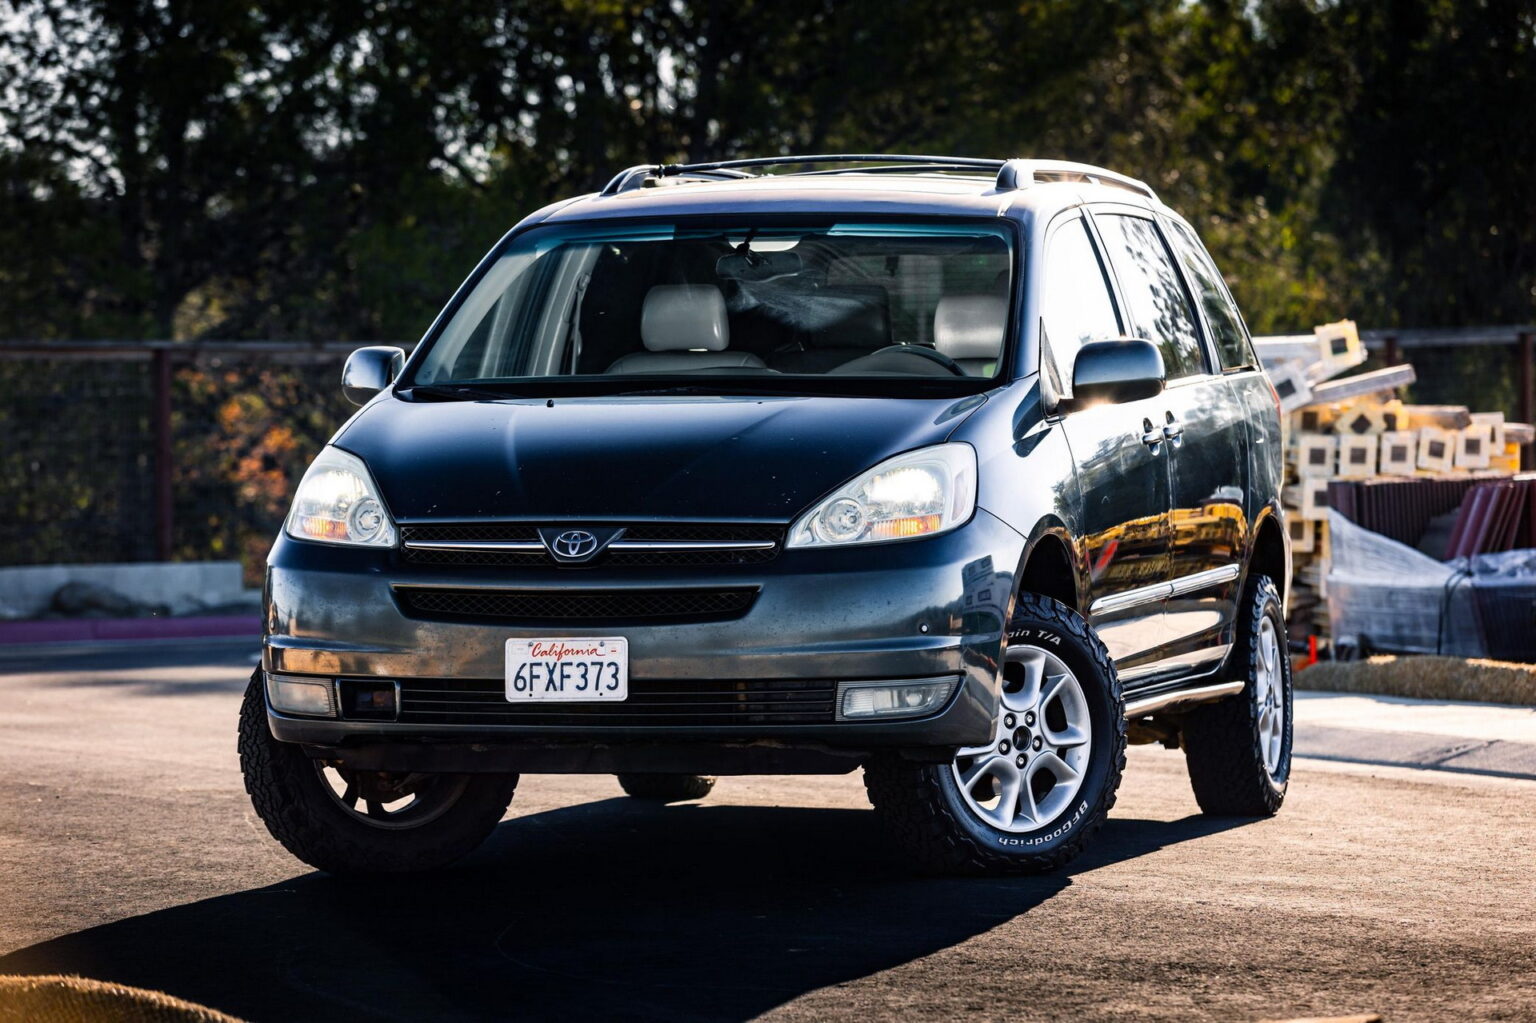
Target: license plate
[593, 670]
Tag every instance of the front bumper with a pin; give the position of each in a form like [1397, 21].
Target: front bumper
[922, 608]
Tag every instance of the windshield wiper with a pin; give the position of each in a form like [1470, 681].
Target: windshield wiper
[736, 389]
[458, 392]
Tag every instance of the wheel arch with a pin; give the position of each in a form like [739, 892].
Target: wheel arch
[1270, 554]
[1050, 568]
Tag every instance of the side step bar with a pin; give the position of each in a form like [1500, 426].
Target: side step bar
[1142, 706]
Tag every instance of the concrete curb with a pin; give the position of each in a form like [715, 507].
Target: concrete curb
[1436, 735]
[85, 630]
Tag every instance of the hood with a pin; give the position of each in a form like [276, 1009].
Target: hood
[634, 457]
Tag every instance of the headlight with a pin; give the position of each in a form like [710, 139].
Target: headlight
[921, 493]
[337, 502]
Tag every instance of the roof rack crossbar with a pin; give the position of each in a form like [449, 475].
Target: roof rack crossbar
[1023, 173]
[895, 168]
[634, 177]
[1011, 174]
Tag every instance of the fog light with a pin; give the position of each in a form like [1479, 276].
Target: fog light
[369, 699]
[908, 698]
[312, 697]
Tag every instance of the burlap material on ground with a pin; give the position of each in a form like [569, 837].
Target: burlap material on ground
[1426, 678]
[78, 1000]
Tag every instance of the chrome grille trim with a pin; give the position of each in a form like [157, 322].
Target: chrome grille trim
[690, 545]
[617, 545]
[657, 544]
[478, 545]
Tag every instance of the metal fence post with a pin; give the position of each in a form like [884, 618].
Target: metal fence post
[161, 367]
[1524, 399]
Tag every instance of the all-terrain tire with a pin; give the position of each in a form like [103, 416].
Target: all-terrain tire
[291, 798]
[666, 788]
[1222, 740]
[921, 806]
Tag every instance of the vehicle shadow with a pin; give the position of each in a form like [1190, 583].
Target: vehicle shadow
[613, 909]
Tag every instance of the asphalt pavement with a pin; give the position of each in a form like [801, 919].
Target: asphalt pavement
[128, 852]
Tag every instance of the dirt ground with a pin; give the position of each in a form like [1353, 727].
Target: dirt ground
[128, 852]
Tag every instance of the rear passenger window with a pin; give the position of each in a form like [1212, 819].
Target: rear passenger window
[1220, 312]
[1076, 307]
[1157, 303]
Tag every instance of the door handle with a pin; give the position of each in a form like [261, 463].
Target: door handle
[1151, 436]
[1174, 429]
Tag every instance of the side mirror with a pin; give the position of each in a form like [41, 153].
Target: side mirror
[1125, 369]
[369, 370]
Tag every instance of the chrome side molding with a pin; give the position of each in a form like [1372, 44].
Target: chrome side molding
[1200, 580]
[1126, 599]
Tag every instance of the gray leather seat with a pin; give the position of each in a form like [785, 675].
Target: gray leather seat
[969, 329]
[684, 328]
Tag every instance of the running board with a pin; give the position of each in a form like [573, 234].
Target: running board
[1162, 701]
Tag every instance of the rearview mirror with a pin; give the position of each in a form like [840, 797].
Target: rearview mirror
[369, 370]
[1125, 369]
[758, 266]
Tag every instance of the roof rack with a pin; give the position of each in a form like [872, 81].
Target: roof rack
[1023, 173]
[1011, 174]
[635, 177]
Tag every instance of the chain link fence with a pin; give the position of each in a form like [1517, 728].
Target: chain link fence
[142, 451]
[88, 427]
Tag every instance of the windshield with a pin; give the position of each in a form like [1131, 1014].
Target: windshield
[883, 307]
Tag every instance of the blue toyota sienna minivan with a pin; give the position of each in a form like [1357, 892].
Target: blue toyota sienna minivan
[958, 471]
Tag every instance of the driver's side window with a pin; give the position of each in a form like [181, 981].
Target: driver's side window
[1076, 306]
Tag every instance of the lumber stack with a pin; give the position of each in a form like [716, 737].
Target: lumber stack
[1357, 428]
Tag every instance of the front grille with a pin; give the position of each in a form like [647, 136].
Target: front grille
[700, 532]
[697, 532]
[531, 606]
[652, 702]
[454, 532]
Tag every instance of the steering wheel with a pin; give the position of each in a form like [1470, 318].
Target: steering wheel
[926, 353]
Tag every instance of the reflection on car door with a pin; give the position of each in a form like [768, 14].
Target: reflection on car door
[1204, 424]
[1120, 456]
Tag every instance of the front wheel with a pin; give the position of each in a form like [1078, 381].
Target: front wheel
[1239, 749]
[363, 822]
[1028, 799]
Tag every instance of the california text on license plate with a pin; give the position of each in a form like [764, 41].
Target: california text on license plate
[592, 669]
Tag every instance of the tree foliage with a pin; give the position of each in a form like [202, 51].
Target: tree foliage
[284, 169]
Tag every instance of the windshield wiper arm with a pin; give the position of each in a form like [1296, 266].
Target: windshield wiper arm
[459, 392]
[704, 389]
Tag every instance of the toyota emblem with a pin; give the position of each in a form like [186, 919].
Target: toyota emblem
[574, 543]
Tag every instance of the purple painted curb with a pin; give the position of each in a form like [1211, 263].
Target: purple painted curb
[76, 630]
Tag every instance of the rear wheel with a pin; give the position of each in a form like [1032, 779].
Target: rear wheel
[363, 822]
[666, 788]
[1239, 749]
[1029, 798]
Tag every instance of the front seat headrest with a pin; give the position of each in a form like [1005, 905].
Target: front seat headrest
[970, 327]
[684, 317]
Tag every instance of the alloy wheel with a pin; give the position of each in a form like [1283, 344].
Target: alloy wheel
[1269, 696]
[1042, 737]
[390, 801]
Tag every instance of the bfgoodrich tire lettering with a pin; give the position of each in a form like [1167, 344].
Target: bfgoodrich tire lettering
[290, 794]
[1239, 763]
[925, 811]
